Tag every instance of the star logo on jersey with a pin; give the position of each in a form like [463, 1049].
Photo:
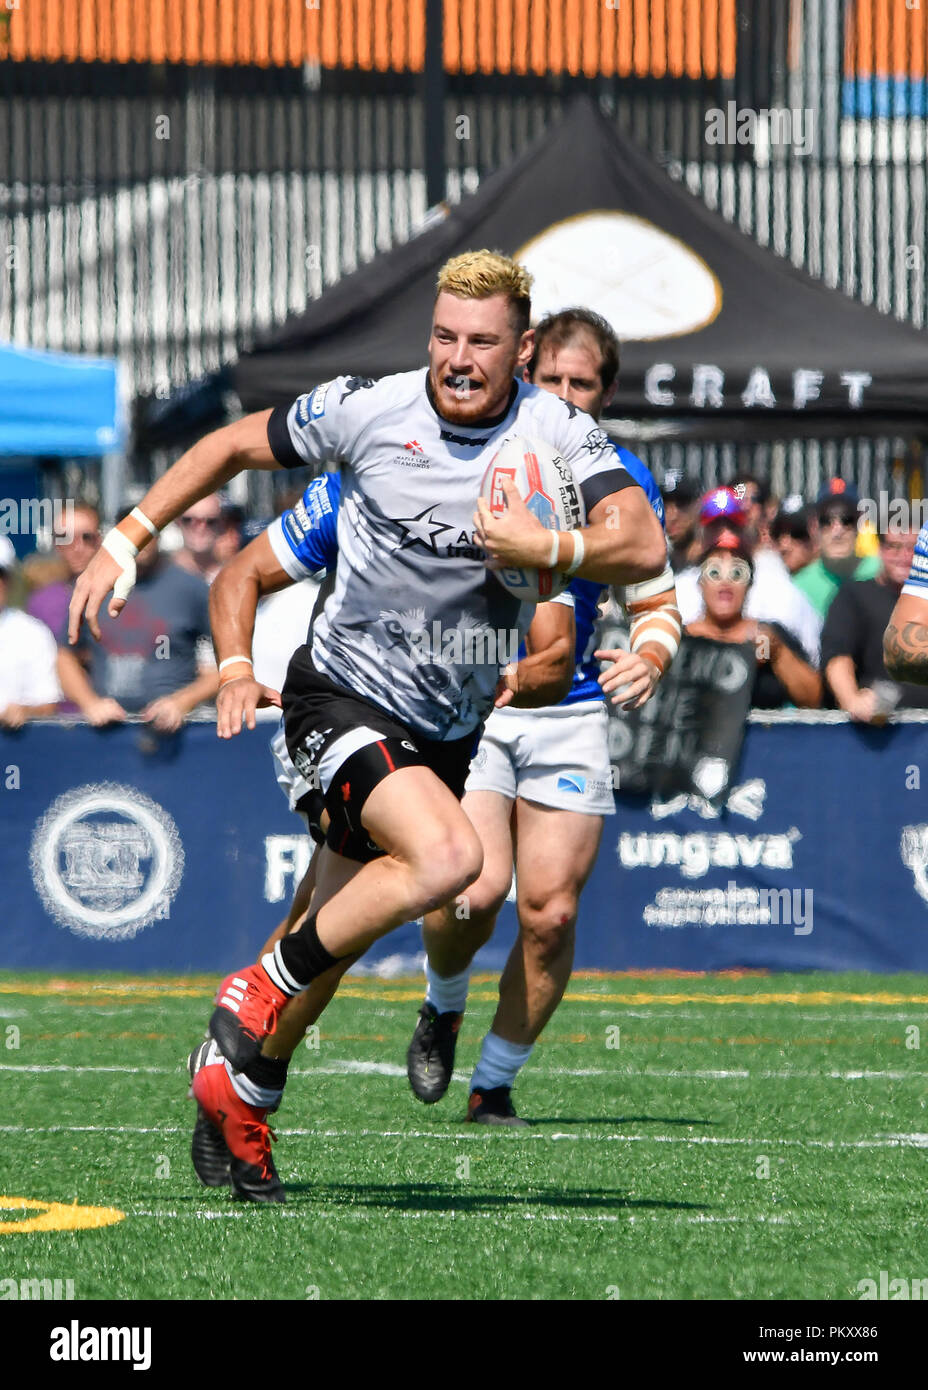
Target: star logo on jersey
[421, 530]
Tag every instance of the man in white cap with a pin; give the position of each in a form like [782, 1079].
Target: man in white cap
[28, 681]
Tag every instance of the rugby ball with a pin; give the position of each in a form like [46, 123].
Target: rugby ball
[548, 488]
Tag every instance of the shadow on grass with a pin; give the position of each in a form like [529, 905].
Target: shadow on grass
[619, 1120]
[455, 1197]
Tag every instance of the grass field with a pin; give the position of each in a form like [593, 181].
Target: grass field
[642, 1178]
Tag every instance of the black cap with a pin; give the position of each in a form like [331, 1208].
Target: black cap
[791, 521]
[679, 488]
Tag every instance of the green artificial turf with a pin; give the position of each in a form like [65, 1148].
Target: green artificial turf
[642, 1178]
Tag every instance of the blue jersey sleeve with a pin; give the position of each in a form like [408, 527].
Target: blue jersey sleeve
[917, 582]
[643, 476]
[587, 594]
[305, 538]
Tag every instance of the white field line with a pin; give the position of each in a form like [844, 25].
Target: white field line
[350, 1067]
[366, 1214]
[884, 1141]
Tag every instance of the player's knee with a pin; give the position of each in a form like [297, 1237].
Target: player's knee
[485, 897]
[547, 926]
[446, 864]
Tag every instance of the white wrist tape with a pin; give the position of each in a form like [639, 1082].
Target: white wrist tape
[555, 549]
[579, 552]
[123, 552]
[231, 661]
[648, 588]
[652, 633]
[142, 519]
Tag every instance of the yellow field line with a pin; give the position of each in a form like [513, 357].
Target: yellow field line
[391, 992]
[793, 997]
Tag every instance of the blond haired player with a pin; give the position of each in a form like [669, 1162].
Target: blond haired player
[391, 734]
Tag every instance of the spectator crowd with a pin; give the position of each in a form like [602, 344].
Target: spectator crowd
[155, 661]
[806, 584]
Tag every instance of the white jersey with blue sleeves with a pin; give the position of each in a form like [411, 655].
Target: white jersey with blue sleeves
[587, 594]
[917, 582]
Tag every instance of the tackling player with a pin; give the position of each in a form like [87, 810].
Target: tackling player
[387, 718]
[538, 790]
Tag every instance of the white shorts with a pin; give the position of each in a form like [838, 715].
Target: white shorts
[558, 757]
[294, 786]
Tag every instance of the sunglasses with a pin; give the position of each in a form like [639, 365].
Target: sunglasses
[212, 523]
[716, 572]
[848, 522]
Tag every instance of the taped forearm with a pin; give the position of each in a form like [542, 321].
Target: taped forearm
[655, 625]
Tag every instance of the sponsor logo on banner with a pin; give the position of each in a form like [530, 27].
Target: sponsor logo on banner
[106, 861]
[695, 853]
[913, 849]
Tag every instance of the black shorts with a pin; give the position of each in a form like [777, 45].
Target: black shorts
[311, 807]
[344, 745]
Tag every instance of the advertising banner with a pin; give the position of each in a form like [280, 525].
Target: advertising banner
[121, 852]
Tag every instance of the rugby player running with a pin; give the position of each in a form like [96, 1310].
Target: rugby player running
[391, 734]
[562, 797]
[302, 545]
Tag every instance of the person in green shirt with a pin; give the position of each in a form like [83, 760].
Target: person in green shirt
[838, 560]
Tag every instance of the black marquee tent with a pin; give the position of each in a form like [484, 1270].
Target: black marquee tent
[720, 335]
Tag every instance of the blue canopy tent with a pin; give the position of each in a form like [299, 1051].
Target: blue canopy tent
[55, 405]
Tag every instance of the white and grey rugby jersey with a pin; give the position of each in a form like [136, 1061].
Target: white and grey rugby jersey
[416, 622]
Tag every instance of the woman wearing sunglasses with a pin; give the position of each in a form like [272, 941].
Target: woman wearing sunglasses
[783, 674]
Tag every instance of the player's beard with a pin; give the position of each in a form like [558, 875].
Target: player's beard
[470, 404]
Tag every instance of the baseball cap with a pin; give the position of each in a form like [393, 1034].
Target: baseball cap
[7, 555]
[721, 503]
[837, 491]
[791, 521]
[678, 488]
[724, 535]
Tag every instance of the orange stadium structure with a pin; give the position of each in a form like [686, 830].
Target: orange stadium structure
[639, 38]
[885, 59]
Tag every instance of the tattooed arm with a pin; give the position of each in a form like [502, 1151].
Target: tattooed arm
[905, 641]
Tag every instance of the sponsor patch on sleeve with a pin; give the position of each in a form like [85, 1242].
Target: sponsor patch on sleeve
[311, 405]
[293, 528]
[316, 497]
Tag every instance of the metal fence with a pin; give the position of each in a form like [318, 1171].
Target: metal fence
[178, 175]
